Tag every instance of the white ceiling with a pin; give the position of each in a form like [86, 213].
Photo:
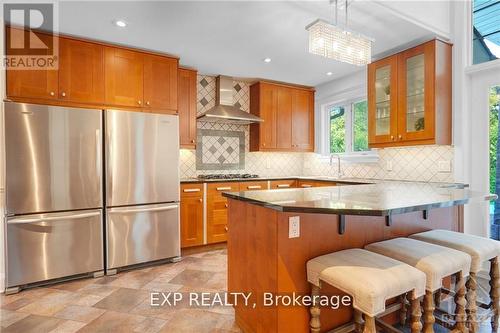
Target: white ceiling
[232, 37]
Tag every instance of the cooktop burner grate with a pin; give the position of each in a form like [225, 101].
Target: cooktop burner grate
[227, 176]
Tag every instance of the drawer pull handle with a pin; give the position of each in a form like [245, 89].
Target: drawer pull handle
[200, 200]
[189, 190]
[225, 205]
[252, 187]
[226, 228]
[306, 185]
[226, 188]
[283, 185]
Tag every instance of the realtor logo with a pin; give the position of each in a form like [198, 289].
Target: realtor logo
[30, 40]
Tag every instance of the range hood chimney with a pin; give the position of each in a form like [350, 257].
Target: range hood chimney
[224, 110]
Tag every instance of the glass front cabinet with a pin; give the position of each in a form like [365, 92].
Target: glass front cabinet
[409, 97]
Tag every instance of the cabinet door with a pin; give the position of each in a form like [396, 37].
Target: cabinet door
[123, 77]
[268, 112]
[81, 71]
[281, 184]
[187, 107]
[253, 185]
[382, 100]
[217, 210]
[284, 119]
[30, 83]
[416, 119]
[191, 215]
[160, 83]
[303, 120]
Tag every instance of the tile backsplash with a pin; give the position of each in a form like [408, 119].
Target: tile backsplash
[224, 148]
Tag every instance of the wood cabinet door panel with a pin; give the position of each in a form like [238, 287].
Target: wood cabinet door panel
[416, 105]
[187, 91]
[284, 119]
[160, 83]
[268, 112]
[123, 77]
[191, 214]
[217, 210]
[282, 184]
[303, 120]
[253, 185]
[30, 83]
[81, 71]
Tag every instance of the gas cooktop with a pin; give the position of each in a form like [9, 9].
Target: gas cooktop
[227, 176]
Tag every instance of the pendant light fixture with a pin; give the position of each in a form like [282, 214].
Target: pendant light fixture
[339, 43]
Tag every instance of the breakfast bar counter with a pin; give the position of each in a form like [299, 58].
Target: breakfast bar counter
[266, 256]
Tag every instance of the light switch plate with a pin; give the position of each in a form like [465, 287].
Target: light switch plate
[444, 166]
[389, 166]
[293, 227]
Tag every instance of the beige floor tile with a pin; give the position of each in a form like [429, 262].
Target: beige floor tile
[123, 300]
[133, 280]
[68, 326]
[32, 324]
[79, 313]
[112, 321]
[17, 304]
[161, 284]
[8, 317]
[73, 285]
[150, 325]
[190, 320]
[49, 304]
[86, 299]
[97, 290]
[191, 277]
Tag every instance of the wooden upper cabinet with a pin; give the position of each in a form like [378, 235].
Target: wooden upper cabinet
[288, 114]
[303, 120]
[81, 71]
[187, 91]
[382, 100]
[124, 73]
[418, 94]
[32, 84]
[160, 83]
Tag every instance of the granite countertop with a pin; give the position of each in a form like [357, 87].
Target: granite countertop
[380, 199]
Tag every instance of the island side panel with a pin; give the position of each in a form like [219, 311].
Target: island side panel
[319, 235]
[252, 261]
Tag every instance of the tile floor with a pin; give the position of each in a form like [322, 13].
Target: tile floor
[121, 303]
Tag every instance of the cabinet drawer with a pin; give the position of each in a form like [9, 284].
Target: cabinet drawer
[324, 183]
[216, 189]
[191, 190]
[253, 186]
[301, 183]
[281, 184]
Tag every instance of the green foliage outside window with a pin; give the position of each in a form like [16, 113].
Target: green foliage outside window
[494, 100]
[360, 117]
[337, 130]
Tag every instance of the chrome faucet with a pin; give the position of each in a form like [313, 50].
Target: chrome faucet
[340, 174]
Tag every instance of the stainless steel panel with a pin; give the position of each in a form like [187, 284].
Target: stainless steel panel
[140, 234]
[53, 158]
[142, 163]
[48, 246]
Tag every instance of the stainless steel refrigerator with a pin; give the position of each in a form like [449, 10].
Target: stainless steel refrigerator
[54, 200]
[142, 188]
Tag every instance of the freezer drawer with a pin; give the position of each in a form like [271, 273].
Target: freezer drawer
[138, 234]
[53, 158]
[142, 158]
[48, 246]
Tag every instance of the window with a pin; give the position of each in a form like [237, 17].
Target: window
[348, 127]
[485, 31]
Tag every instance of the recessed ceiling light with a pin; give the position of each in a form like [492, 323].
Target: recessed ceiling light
[267, 59]
[329, 73]
[120, 23]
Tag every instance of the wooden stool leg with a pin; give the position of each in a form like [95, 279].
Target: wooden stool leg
[472, 303]
[358, 321]
[314, 323]
[370, 325]
[495, 292]
[429, 308]
[460, 303]
[416, 314]
[404, 311]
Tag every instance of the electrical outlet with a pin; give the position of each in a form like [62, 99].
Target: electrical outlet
[444, 166]
[294, 227]
[389, 166]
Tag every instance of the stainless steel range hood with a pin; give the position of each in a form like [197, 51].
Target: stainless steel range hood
[224, 110]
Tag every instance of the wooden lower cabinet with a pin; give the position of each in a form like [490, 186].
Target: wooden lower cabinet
[253, 185]
[217, 210]
[191, 215]
[283, 183]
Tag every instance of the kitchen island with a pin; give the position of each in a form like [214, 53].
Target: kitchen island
[265, 257]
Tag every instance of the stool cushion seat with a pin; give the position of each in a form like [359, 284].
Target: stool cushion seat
[480, 249]
[437, 262]
[369, 278]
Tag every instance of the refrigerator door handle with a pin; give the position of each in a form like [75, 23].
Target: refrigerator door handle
[141, 210]
[54, 218]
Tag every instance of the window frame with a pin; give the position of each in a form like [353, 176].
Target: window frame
[347, 104]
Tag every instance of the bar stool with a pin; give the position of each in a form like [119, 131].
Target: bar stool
[437, 262]
[370, 279]
[481, 250]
